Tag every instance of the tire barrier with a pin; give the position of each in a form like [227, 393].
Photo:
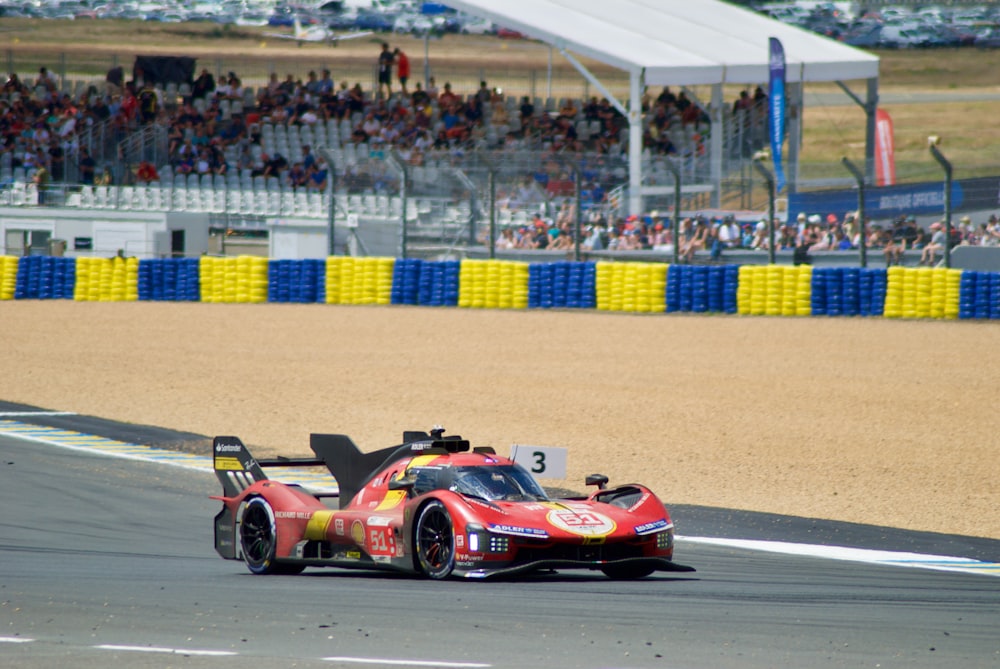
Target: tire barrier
[639, 287]
[426, 283]
[772, 290]
[242, 279]
[106, 280]
[562, 285]
[169, 280]
[848, 291]
[45, 277]
[300, 281]
[9, 267]
[925, 293]
[700, 289]
[493, 284]
[359, 280]
[775, 290]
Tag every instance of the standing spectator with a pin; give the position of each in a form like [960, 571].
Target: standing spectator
[385, 61]
[41, 177]
[203, 86]
[87, 166]
[114, 80]
[402, 69]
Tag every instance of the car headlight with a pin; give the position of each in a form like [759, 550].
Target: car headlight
[665, 540]
[487, 542]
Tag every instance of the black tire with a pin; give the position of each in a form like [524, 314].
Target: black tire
[259, 539]
[434, 541]
[627, 572]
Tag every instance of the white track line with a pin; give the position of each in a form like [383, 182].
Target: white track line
[172, 651]
[14, 639]
[15, 414]
[407, 663]
[891, 558]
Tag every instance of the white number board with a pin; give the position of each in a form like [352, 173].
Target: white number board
[544, 462]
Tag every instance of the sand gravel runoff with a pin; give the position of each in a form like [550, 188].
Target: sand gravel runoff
[866, 420]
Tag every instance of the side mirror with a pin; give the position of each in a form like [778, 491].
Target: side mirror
[402, 484]
[600, 480]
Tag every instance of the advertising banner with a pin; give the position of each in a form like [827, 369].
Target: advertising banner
[776, 108]
[885, 150]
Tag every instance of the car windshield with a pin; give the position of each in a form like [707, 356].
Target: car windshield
[502, 482]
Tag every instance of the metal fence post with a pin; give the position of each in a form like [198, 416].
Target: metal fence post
[859, 176]
[769, 178]
[676, 226]
[938, 156]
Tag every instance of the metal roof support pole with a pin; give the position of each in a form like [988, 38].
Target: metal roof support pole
[716, 141]
[636, 78]
[634, 116]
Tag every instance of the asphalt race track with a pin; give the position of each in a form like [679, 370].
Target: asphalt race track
[109, 562]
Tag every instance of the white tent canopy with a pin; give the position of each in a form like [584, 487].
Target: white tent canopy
[677, 42]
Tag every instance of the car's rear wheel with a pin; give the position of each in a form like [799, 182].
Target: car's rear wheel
[259, 539]
[435, 541]
[627, 572]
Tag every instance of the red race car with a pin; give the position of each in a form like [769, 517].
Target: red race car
[431, 506]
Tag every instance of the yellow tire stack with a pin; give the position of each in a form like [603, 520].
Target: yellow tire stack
[775, 282]
[638, 287]
[8, 277]
[925, 293]
[952, 292]
[352, 280]
[493, 284]
[744, 290]
[893, 307]
[803, 290]
[242, 279]
[107, 280]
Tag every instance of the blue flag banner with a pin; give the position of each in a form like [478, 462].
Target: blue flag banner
[776, 108]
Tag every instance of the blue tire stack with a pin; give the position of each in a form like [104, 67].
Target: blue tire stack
[674, 273]
[539, 286]
[582, 290]
[311, 271]
[277, 281]
[877, 282]
[817, 300]
[716, 287]
[994, 294]
[406, 281]
[438, 283]
[967, 295]
[850, 291]
[44, 278]
[699, 289]
[730, 286]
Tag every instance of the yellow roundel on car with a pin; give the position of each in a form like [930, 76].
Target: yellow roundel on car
[582, 521]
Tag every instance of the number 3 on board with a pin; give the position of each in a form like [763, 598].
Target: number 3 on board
[543, 461]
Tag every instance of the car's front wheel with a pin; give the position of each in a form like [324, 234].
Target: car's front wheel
[435, 541]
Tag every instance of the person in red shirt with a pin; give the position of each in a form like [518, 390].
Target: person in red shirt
[402, 69]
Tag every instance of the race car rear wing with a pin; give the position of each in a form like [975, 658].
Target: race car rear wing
[237, 469]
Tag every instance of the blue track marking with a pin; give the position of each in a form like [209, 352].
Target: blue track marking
[322, 482]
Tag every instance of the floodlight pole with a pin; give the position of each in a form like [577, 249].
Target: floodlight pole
[859, 176]
[938, 156]
[769, 178]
